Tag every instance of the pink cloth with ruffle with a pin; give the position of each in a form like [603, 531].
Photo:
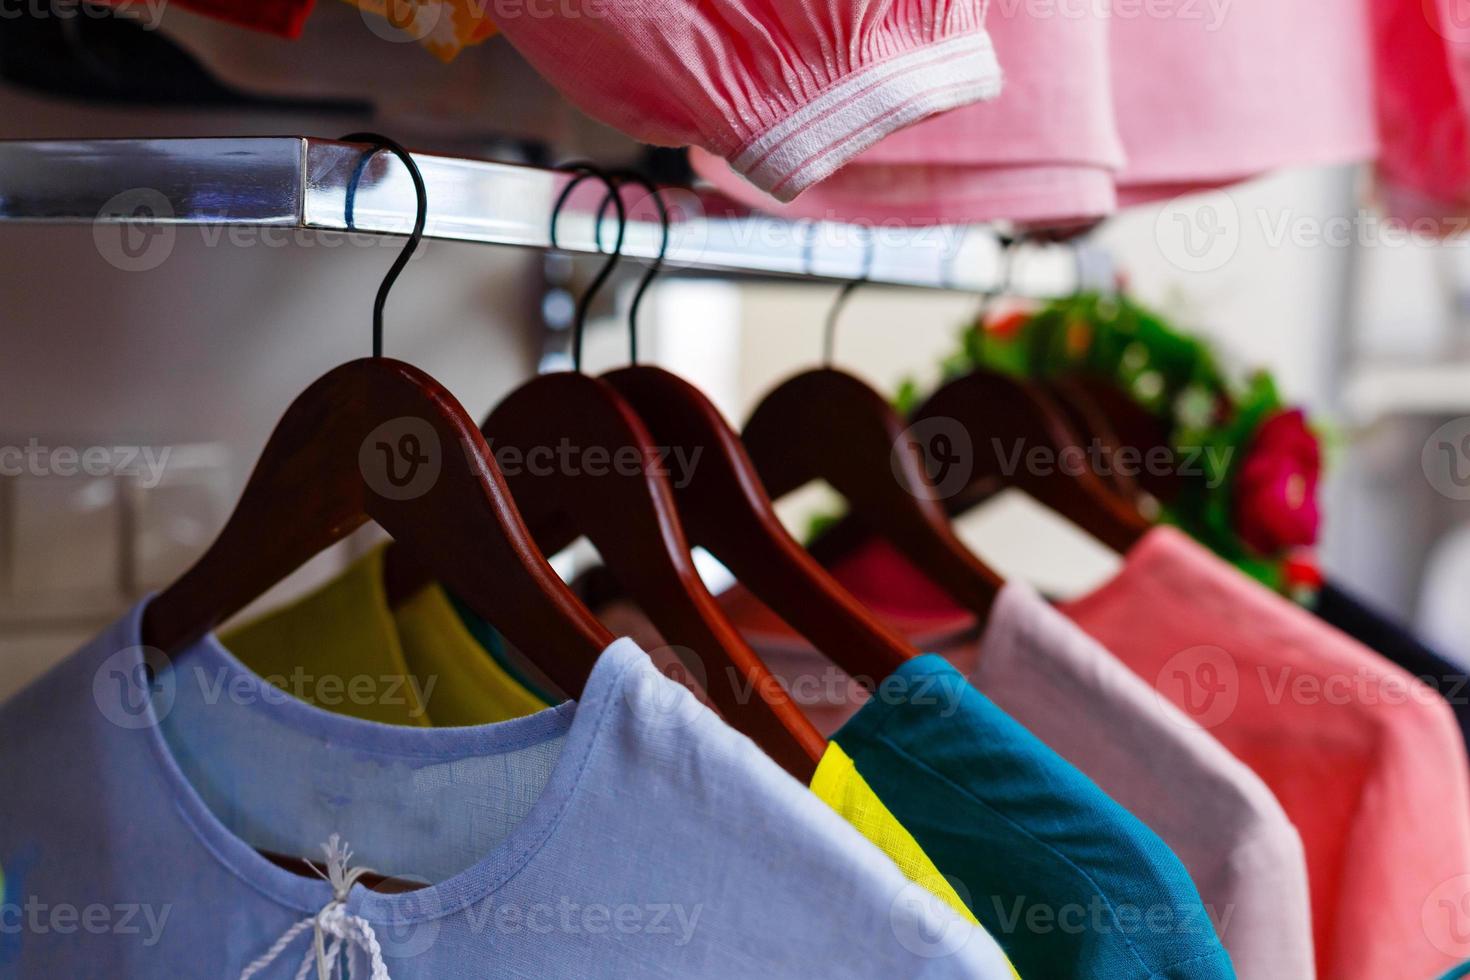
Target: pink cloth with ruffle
[1045, 150]
[786, 90]
[1161, 98]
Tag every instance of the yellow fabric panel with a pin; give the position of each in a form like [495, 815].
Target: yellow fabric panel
[838, 784]
[318, 646]
[470, 688]
[444, 27]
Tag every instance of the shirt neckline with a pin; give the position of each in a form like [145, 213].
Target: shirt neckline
[579, 723]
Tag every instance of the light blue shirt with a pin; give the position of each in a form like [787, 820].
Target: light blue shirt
[633, 835]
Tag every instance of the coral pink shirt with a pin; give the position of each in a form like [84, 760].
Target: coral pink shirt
[1366, 760]
[787, 92]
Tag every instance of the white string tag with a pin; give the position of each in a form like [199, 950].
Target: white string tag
[334, 930]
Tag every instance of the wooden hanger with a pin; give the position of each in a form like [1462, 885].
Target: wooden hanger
[1008, 418]
[378, 439]
[614, 492]
[1121, 421]
[828, 425]
[724, 508]
[1091, 424]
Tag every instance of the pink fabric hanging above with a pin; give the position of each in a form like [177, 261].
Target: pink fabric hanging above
[787, 90]
[1117, 105]
[1211, 92]
[1044, 151]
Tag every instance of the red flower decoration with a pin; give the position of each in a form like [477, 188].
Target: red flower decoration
[1008, 325]
[1276, 489]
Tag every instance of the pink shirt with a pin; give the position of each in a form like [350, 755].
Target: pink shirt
[1366, 760]
[787, 92]
[1242, 851]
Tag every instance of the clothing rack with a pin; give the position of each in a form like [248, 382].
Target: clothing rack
[306, 183]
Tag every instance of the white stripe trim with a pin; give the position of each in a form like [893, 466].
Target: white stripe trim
[848, 118]
[851, 86]
[826, 162]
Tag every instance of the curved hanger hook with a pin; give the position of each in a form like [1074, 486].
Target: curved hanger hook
[829, 336]
[421, 218]
[587, 171]
[633, 177]
[1010, 254]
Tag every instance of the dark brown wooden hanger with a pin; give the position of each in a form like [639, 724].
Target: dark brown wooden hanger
[1128, 423]
[1091, 423]
[1008, 418]
[725, 509]
[615, 493]
[377, 439]
[828, 425]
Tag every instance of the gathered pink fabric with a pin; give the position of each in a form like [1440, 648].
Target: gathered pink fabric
[1045, 151]
[1109, 106]
[786, 91]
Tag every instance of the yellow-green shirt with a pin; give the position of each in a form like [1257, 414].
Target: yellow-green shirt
[338, 639]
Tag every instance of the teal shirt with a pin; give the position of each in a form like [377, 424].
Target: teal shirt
[1069, 882]
[1457, 973]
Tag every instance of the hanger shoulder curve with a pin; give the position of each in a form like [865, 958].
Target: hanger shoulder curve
[377, 439]
[611, 486]
[1002, 413]
[725, 508]
[829, 425]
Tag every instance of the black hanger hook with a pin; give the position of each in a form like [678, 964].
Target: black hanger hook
[1010, 250]
[829, 338]
[586, 171]
[633, 177]
[421, 218]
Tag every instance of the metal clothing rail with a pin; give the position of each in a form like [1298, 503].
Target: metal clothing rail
[298, 182]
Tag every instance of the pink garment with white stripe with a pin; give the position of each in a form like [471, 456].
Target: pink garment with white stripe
[1044, 151]
[1111, 102]
[787, 90]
